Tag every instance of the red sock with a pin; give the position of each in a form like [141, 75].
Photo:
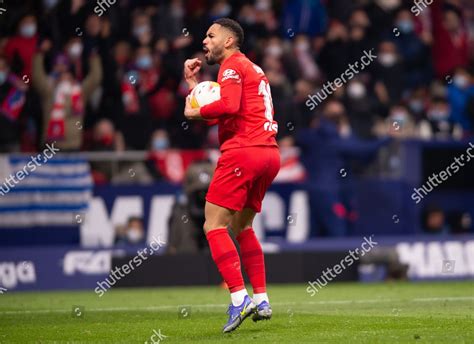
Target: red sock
[252, 259]
[225, 255]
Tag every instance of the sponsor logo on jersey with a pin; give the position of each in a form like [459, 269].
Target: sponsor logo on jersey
[230, 74]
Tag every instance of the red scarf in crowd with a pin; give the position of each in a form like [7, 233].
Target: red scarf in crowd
[66, 92]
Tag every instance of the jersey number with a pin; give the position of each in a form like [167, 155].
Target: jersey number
[264, 89]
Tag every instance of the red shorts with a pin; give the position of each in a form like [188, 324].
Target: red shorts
[242, 177]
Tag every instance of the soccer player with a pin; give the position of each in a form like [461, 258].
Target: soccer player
[249, 162]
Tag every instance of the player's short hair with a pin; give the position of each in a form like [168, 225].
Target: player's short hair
[234, 27]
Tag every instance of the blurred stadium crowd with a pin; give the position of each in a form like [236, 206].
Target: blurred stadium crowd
[106, 75]
[121, 62]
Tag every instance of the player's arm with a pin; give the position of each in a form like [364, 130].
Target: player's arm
[194, 113]
[229, 104]
[191, 69]
[231, 93]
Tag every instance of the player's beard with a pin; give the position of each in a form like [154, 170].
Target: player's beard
[215, 56]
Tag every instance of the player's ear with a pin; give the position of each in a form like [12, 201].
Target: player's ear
[229, 42]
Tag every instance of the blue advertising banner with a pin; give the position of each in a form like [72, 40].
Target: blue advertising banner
[50, 268]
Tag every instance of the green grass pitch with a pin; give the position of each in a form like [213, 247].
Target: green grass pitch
[436, 312]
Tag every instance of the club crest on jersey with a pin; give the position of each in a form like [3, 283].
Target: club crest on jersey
[230, 74]
[269, 126]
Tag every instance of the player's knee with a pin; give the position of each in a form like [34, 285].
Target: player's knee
[239, 226]
[207, 227]
[240, 223]
[235, 230]
[211, 225]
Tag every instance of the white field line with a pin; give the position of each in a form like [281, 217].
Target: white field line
[222, 305]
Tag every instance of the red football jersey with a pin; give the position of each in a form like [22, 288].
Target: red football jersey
[245, 110]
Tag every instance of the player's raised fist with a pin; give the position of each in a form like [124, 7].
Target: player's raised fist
[191, 68]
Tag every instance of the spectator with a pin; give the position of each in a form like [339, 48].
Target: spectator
[450, 46]
[327, 149]
[305, 59]
[20, 48]
[63, 97]
[73, 52]
[115, 68]
[291, 170]
[132, 234]
[460, 222]
[417, 102]
[361, 105]
[315, 43]
[459, 93]
[388, 74]
[399, 124]
[438, 123]
[187, 215]
[105, 138]
[414, 52]
[434, 221]
[142, 30]
[361, 35]
[298, 115]
[304, 17]
[381, 14]
[145, 99]
[334, 57]
[12, 108]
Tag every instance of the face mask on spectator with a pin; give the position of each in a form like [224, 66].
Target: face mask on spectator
[274, 50]
[356, 90]
[302, 46]
[107, 139]
[387, 59]
[3, 77]
[438, 115]
[177, 11]
[461, 81]
[50, 3]
[223, 11]
[249, 20]
[160, 144]
[75, 50]
[140, 30]
[28, 30]
[388, 5]
[416, 106]
[134, 235]
[399, 116]
[65, 86]
[144, 62]
[405, 26]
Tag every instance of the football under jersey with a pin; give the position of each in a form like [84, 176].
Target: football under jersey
[245, 110]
